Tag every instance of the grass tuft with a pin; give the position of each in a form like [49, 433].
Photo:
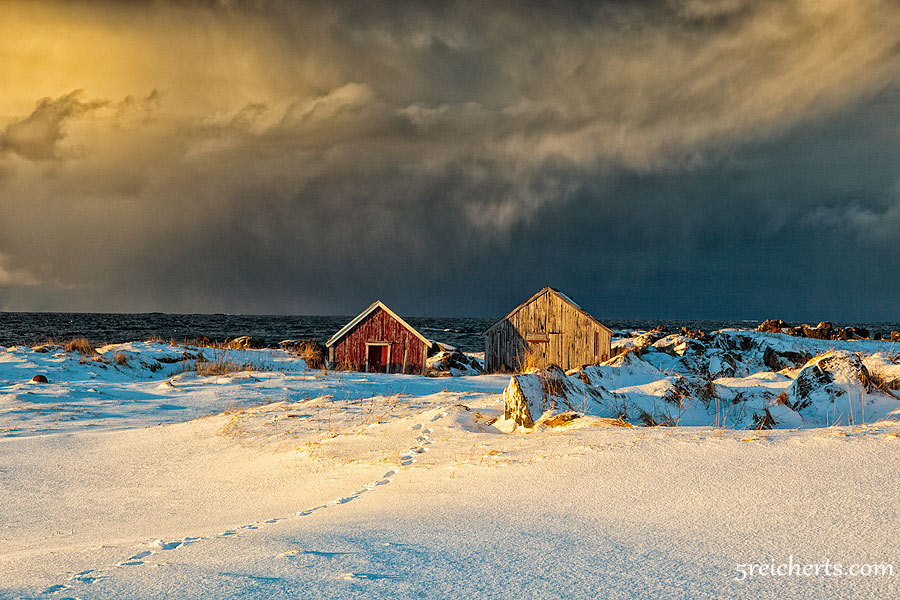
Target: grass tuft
[81, 345]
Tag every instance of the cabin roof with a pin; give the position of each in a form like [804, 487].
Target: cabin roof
[359, 318]
[564, 297]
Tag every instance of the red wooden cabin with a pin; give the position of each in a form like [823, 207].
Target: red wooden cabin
[378, 341]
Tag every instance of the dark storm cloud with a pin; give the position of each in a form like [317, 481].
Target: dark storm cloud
[694, 158]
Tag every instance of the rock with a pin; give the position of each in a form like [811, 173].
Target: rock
[827, 377]
[822, 331]
[895, 336]
[722, 363]
[696, 335]
[782, 359]
[530, 396]
[678, 345]
[451, 362]
[437, 347]
[244, 342]
[773, 326]
[48, 347]
[40, 379]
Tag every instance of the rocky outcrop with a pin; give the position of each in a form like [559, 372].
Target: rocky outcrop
[773, 326]
[244, 342]
[783, 359]
[451, 361]
[530, 396]
[824, 330]
[827, 377]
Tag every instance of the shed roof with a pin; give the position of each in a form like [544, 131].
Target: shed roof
[377, 304]
[564, 297]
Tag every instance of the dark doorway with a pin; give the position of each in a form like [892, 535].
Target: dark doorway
[377, 358]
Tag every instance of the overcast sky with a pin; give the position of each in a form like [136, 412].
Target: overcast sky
[667, 159]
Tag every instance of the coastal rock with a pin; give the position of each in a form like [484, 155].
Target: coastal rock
[451, 361]
[40, 379]
[895, 336]
[530, 396]
[828, 377]
[822, 331]
[244, 342]
[773, 326]
[783, 359]
[678, 345]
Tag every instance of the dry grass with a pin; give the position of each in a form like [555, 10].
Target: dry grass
[81, 345]
[221, 366]
[532, 361]
[311, 351]
[121, 359]
[346, 366]
[880, 382]
[782, 399]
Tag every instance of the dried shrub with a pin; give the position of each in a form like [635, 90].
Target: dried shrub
[782, 399]
[312, 353]
[81, 345]
[121, 359]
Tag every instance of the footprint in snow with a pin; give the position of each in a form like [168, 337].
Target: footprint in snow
[56, 588]
[366, 576]
[137, 559]
[389, 474]
[309, 511]
[417, 426]
[89, 576]
[429, 430]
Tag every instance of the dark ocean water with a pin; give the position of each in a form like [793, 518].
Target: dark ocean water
[463, 332]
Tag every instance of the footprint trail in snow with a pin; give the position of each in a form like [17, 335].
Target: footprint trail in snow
[149, 554]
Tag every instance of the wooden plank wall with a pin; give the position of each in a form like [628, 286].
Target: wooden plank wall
[380, 326]
[573, 338]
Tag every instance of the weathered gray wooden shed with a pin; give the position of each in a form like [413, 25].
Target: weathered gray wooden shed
[552, 329]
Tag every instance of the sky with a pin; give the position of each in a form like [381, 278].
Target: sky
[660, 159]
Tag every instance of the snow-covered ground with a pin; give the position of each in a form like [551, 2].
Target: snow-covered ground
[132, 475]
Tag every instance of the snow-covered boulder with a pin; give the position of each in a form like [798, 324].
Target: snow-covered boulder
[678, 345]
[530, 396]
[245, 342]
[450, 361]
[825, 379]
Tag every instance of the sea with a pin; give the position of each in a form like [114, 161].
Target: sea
[465, 333]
